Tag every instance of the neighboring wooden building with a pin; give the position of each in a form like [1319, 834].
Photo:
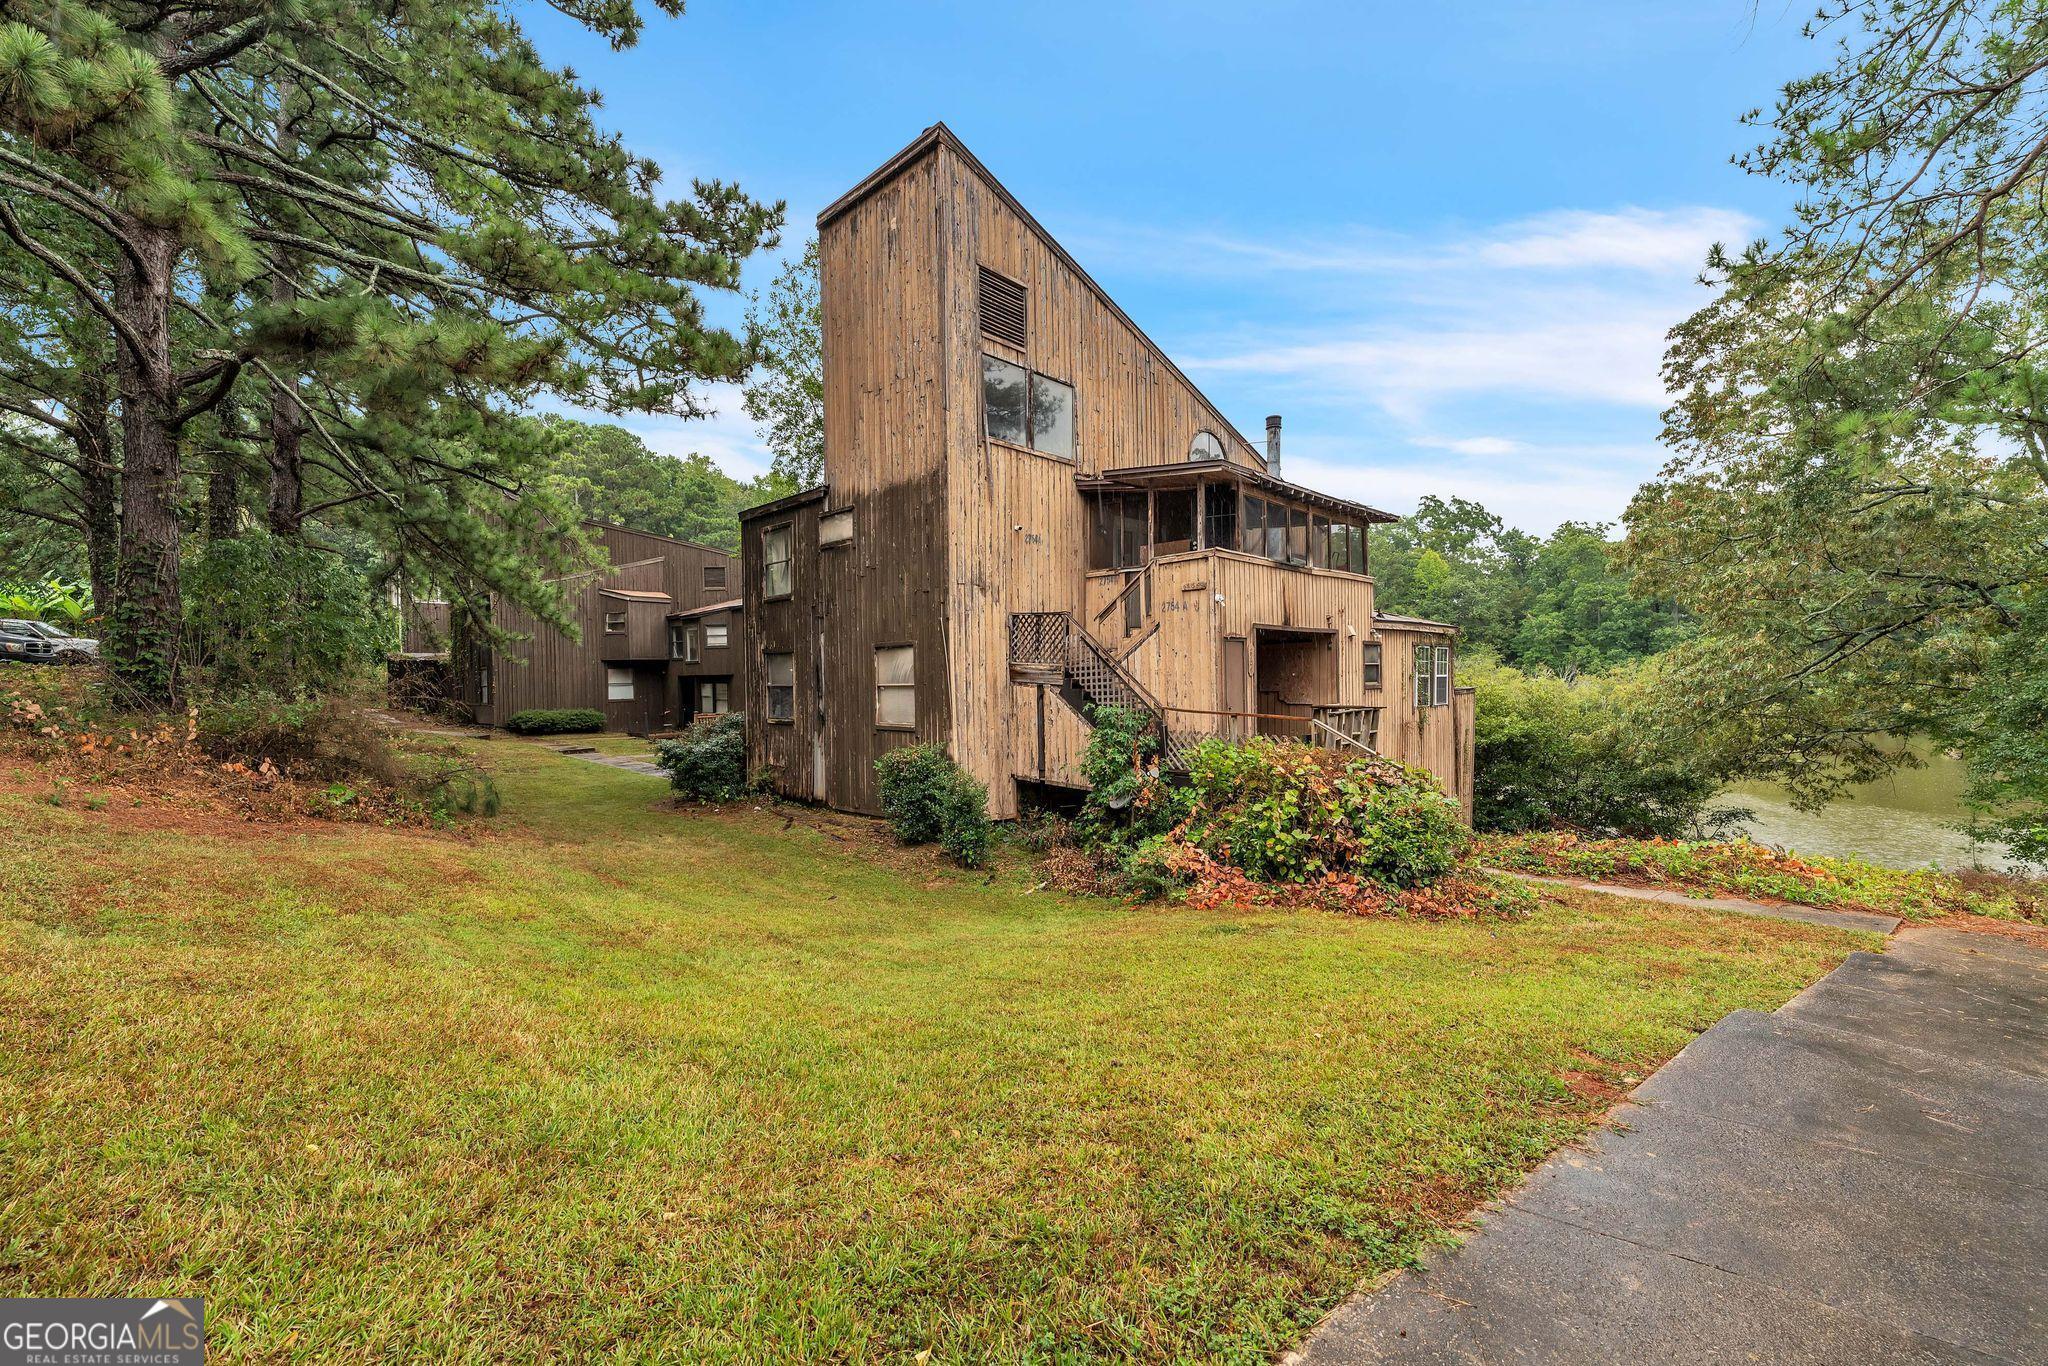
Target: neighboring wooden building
[620, 661]
[1029, 508]
[707, 661]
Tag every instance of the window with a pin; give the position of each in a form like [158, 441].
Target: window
[1002, 307]
[618, 685]
[1276, 531]
[675, 639]
[1116, 531]
[713, 698]
[717, 635]
[714, 576]
[1254, 540]
[1003, 400]
[1318, 542]
[775, 561]
[896, 685]
[687, 644]
[1026, 409]
[781, 672]
[1372, 664]
[1052, 417]
[1297, 536]
[1219, 516]
[1174, 510]
[835, 528]
[615, 623]
[483, 686]
[1432, 675]
[1346, 547]
[1205, 446]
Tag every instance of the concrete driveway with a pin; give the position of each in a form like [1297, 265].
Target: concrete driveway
[1861, 1176]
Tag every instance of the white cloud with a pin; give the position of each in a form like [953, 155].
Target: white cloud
[1655, 240]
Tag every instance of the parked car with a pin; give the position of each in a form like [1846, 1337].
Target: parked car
[69, 649]
[19, 641]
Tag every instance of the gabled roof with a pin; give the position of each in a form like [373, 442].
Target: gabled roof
[939, 134]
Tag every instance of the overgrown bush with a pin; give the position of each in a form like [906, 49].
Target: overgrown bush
[928, 798]
[330, 739]
[270, 615]
[1271, 820]
[708, 761]
[1592, 753]
[562, 721]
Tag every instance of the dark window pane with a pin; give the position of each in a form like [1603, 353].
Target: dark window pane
[1297, 535]
[1219, 513]
[1052, 417]
[1254, 541]
[1319, 543]
[1175, 510]
[1130, 551]
[1103, 515]
[1003, 387]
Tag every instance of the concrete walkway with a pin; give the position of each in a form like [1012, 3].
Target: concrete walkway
[1861, 1176]
[625, 761]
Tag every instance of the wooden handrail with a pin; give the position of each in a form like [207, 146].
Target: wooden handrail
[1135, 579]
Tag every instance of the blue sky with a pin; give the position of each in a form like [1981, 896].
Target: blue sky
[1444, 241]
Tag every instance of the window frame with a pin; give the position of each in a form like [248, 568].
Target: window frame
[717, 691]
[768, 682]
[787, 530]
[1372, 663]
[882, 688]
[1222, 451]
[1425, 674]
[1031, 381]
[692, 651]
[612, 675]
[1442, 694]
[715, 576]
[724, 638]
[618, 617]
[829, 521]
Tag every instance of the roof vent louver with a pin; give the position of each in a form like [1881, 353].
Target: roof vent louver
[1002, 308]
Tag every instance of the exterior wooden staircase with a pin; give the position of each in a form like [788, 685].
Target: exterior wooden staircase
[1054, 649]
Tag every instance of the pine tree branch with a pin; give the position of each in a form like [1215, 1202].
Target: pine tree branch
[133, 339]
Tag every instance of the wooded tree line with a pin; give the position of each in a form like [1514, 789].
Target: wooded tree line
[277, 279]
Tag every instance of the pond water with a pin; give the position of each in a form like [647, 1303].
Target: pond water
[1905, 821]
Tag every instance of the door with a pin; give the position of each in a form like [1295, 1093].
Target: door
[1234, 681]
[818, 720]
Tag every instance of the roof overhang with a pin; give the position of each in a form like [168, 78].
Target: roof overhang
[1187, 473]
[815, 494]
[729, 605]
[635, 594]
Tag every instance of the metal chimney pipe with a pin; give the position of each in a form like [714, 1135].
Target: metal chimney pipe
[1273, 444]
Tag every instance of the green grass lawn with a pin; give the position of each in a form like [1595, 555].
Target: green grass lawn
[609, 1078]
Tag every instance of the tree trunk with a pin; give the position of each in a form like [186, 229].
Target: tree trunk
[99, 488]
[224, 474]
[147, 622]
[287, 469]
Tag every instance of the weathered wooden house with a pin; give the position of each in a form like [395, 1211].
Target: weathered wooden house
[707, 660]
[624, 661]
[1028, 508]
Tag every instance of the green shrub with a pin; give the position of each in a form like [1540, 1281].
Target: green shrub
[928, 798]
[1591, 753]
[708, 761]
[566, 721]
[1129, 801]
[1281, 811]
[273, 615]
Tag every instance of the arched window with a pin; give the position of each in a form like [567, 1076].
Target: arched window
[1205, 446]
